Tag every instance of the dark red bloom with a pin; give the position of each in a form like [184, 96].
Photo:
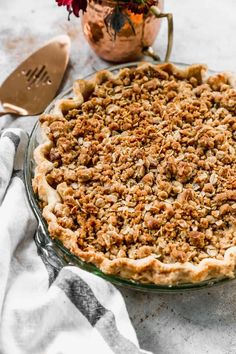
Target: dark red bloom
[73, 6]
[64, 2]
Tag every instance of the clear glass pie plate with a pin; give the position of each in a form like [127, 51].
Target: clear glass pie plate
[53, 250]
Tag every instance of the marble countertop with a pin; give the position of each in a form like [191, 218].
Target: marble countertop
[195, 322]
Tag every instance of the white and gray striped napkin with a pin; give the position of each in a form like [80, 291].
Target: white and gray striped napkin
[44, 311]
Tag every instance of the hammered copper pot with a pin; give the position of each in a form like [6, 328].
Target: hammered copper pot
[131, 41]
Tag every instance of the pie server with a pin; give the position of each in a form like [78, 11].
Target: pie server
[34, 83]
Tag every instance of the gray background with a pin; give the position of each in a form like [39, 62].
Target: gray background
[194, 322]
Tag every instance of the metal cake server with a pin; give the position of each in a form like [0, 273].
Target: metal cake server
[34, 83]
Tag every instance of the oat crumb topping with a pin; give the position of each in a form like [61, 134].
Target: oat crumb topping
[147, 166]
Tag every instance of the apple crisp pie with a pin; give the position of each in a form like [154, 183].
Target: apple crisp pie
[137, 173]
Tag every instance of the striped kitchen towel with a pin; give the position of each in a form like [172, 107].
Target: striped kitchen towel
[44, 310]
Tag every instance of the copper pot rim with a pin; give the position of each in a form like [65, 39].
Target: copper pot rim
[115, 2]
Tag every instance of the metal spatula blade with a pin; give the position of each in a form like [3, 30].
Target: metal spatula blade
[34, 83]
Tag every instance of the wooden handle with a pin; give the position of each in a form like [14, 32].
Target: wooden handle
[3, 113]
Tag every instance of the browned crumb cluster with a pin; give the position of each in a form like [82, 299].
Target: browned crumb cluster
[147, 165]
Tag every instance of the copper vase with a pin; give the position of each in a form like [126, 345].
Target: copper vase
[131, 41]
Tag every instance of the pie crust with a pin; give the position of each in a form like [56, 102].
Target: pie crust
[137, 173]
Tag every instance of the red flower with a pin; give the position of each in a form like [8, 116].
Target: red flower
[73, 5]
[64, 2]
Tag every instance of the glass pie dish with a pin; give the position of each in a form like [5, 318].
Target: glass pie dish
[54, 251]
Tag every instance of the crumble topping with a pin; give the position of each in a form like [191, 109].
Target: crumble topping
[147, 166]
